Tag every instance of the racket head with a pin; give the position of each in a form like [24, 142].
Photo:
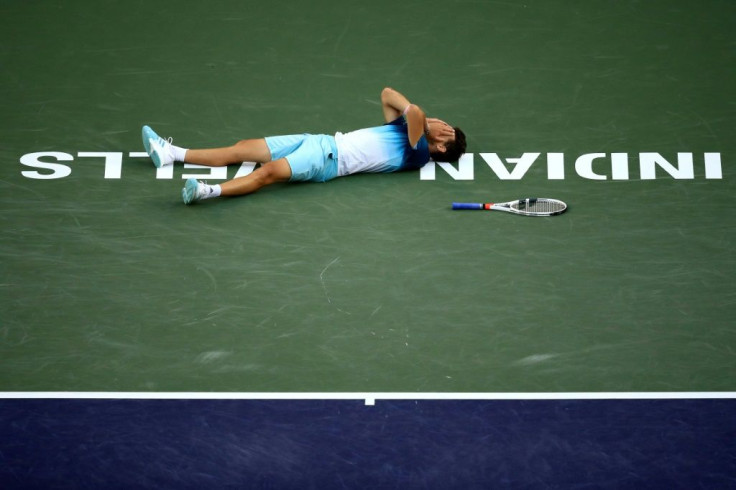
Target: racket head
[538, 206]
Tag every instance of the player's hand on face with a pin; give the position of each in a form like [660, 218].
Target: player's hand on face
[435, 121]
[447, 132]
[440, 129]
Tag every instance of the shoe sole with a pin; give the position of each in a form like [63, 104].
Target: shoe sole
[189, 192]
[149, 134]
[156, 159]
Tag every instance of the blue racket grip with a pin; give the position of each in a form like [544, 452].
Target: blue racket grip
[467, 205]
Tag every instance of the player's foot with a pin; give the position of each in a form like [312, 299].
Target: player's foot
[192, 191]
[157, 148]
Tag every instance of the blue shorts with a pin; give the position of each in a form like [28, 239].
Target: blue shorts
[312, 157]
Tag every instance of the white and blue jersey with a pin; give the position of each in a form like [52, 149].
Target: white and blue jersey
[319, 158]
[380, 149]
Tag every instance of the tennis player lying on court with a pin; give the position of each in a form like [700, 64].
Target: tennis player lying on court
[406, 142]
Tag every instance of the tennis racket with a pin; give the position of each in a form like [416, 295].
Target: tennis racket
[530, 206]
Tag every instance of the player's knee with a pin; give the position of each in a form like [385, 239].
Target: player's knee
[233, 154]
[265, 175]
[238, 150]
[277, 171]
[271, 173]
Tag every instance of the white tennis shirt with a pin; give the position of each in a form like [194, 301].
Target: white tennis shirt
[381, 149]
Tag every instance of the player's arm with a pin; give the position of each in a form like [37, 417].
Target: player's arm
[394, 105]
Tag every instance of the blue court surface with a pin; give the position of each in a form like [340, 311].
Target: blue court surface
[346, 444]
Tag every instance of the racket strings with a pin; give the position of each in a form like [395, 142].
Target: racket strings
[542, 206]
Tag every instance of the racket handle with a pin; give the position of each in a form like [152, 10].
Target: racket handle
[467, 205]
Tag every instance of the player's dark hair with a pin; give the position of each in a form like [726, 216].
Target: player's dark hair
[453, 149]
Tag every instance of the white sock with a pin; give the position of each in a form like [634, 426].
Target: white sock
[178, 153]
[210, 191]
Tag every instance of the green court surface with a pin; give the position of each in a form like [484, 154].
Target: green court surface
[370, 283]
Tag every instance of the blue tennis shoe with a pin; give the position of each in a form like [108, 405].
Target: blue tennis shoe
[157, 148]
[191, 192]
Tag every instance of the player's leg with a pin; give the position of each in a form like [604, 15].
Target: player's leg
[267, 174]
[254, 150]
[296, 158]
[164, 153]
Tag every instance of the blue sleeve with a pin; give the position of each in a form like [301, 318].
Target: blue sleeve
[414, 158]
[417, 157]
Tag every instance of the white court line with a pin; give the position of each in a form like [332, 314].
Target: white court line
[368, 398]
